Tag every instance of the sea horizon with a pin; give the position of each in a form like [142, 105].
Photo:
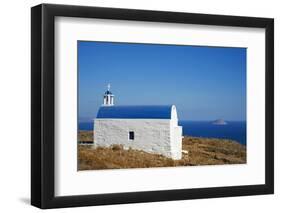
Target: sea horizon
[232, 130]
[91, 120]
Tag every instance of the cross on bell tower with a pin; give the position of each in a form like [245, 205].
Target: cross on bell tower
[108, 97]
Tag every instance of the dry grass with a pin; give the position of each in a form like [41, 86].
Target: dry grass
[116, 157]
[212, 151]
[201, 151]
[85, 136]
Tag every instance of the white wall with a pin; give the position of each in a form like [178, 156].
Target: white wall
[15, 105]
[150, 135]
[159, 136]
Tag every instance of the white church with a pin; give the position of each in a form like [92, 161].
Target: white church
[153, 129]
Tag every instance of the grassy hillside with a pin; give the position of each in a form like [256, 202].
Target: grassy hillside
[201, 151]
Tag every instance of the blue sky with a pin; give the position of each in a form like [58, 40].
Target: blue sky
[205, 83]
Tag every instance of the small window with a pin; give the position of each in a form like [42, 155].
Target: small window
[131, 135]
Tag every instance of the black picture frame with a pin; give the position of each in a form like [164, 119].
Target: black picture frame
[43, 102]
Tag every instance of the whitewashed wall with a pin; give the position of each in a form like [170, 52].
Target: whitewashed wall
[150, 135]
[176, 141]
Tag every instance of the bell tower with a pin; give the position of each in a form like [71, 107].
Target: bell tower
[108, 97]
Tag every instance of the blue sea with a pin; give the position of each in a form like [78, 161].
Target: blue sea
[234, 130]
